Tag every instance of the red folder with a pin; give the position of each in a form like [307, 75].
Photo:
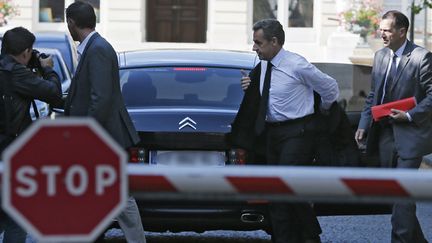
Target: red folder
[381, 111]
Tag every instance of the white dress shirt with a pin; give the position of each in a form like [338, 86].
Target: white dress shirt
[293, 80]
[81, 47]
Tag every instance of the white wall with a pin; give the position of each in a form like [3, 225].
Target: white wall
[26, 14]
[121, 21]
[228, 27]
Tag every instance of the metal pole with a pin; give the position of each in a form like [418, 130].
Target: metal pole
[425, 30]
[412, 18]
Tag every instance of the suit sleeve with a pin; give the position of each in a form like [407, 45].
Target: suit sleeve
[101, 82]
[423, 111]
[366, 115]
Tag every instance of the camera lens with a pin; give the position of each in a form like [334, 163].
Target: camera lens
[43, 55]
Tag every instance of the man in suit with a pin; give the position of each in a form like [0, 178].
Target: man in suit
[95, 92]
[400, 70]
[278, 108]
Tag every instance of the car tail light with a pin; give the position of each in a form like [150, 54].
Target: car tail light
[190, 69]
[137, 155]
[237, 156]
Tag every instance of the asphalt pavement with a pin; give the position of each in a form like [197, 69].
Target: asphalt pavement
[336, 229]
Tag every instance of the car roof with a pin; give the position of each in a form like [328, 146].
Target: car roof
[49, 51]
[187, 57]
[51, 35]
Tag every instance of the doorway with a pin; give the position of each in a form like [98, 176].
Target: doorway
[176, 21]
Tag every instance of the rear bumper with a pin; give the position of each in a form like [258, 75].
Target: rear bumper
[177, 217]
[195, 216]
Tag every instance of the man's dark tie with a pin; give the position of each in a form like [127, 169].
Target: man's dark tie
[389, 80]
[260, 121]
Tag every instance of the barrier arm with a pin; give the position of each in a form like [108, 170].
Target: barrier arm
[279, 183]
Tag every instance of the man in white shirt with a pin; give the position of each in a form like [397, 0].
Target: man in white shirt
[278, 107]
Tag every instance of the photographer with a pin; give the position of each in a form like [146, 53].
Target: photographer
[19, 86]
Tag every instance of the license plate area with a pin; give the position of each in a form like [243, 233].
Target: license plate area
[187, 158]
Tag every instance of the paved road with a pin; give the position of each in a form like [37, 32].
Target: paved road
[336, 229]
[369, 228]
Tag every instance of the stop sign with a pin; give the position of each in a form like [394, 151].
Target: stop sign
[64, 180]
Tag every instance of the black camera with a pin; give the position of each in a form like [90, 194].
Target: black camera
[34, 62]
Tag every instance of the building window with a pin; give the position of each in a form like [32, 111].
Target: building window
[301, 13]
[51, 11]
[264, 9]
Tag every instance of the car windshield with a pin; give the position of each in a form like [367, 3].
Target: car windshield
[182, 86]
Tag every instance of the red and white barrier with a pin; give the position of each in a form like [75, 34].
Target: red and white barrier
[279, 183]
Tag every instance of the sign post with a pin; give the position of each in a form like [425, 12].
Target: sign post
[64, 180]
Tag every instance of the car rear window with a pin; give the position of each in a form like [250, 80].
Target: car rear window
[181, 86]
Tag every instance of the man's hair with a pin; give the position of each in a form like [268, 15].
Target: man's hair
[400, 20]
[83, 14]
[271, 28]
[17, 40]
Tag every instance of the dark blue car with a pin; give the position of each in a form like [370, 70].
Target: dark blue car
[182, 103]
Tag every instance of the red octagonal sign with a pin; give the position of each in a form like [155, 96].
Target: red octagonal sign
[64, 180]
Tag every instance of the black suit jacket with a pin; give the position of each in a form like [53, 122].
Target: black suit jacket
[243, 128]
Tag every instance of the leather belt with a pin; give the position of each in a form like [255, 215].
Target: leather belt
[289, 122]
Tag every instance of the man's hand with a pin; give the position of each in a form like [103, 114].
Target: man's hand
[245, 80]
[359, 136]
[324, 111]
[47, 62]
[399, 116]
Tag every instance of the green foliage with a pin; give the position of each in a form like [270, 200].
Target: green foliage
[8, 9]
[417, 8]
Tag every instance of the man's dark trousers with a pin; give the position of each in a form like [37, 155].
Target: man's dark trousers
[405, 225]
[292, 143]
